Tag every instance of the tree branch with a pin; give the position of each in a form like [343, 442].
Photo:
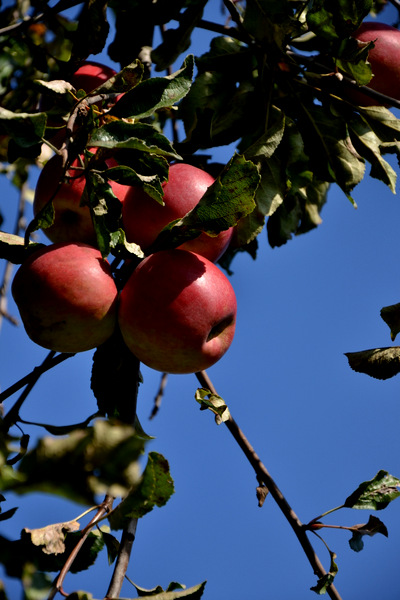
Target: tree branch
[34, 375]
[264, 476]
[104, 508]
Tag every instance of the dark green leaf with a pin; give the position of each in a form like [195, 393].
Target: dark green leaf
[112, 545]
[93, 29]
[155, 93]
[115, 380]
[326, 580]
[391, 316]
[375, 494]
[381, 363]
[4, 516]
[193, 593]
[155, 489]
[177, 41]
[138, 136]
[96, 460]
[27, 130]
[373, 526]
[227, 200]
[338, 18]
[12, 248]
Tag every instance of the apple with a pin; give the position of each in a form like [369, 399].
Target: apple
[143, 217]
[72, 221]
[384, 59]
[90, 75]
[67, 298]
[87, 77]
[177, 312]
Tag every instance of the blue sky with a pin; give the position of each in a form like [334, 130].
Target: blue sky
[319, 427]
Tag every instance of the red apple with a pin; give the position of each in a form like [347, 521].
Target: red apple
[72, 221]
[384, 59]
[144, 218]
[66, 297]
[177, 312]
[87, 77]
[90, 75]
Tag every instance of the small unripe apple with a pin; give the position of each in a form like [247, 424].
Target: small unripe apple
[385, 61]
[72, 221]
[177, 312]
[66, 297]
[143, 217]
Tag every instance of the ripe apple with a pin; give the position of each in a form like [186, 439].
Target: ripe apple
[72, 221]
[66, 297]
[143, 217]
[90, 75]
[87, 77]
[177, 312]
[384, 59]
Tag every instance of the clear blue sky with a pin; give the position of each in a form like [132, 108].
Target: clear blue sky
[319, 427]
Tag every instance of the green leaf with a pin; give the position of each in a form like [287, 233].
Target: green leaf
[326, 580]
[213, 402]
[155, 93]
[115, 379]
[193, 593]
[93, 28]
[373, 526]
[177, 41]
[227, 200]
[331, 150]
[138, 136]
[337, 18]
[370, 146]
[391, 316]
[13, 249]
[155, 489]
[380, 363]
[96, 460]
[26, 129]
[375, 494]
[112, 545]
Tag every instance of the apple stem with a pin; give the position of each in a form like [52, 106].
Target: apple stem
[264, 476]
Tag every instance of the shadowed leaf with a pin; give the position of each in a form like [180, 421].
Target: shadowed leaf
[391, 316]
[380, 363]
[373, 526]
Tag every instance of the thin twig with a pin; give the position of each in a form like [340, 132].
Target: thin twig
[25, 23]
[263, 475]
[35, 374]
[128, 534]
[104, 509]
[159, 396]
[121, 565]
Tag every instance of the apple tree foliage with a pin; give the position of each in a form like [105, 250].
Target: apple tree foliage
[274, 82]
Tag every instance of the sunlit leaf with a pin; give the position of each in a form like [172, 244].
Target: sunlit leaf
[213, 402]
[155, 489]
[155, 93]
[375, 494]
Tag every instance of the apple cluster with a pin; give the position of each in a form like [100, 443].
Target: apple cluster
[176, 311]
